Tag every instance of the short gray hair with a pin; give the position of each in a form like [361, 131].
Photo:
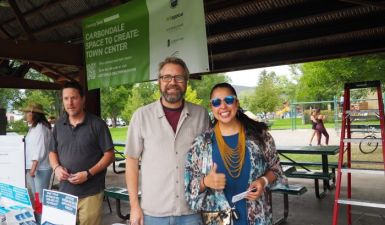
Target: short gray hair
[177, 61]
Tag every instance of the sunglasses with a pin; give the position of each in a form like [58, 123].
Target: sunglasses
[229, 100]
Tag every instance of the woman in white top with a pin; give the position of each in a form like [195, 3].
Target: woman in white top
[38, 170]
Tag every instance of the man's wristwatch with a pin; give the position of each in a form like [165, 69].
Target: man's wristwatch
[89, 175]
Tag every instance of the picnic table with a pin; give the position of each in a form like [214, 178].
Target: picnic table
[324, 152]
[119, 156]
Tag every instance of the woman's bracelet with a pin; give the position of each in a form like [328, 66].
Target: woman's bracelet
[203, 180]
[56, 168]
[266, 181]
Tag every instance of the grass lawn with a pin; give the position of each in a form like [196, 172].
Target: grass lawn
[281, 124]
[120, 134]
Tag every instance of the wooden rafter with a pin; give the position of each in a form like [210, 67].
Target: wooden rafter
[366, 3]
[41, 69]
[20, 83]
[21, 20]
[76, 17]
[50, 68]
[48, 53]
[34, 11]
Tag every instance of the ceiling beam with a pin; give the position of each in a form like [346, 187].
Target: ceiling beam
[273, 15]
[20, 83]
[34, 11]
[366, 3]
[47, 53]
[76, 17]
[21, 19]
[21, 71]
[4, 33]
[56, 72]
[47, 73]
[305, 31]
[297, 52]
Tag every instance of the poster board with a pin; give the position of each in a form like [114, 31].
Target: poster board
[59, 208]
[12, 160]
[16, 205]
[125, 44]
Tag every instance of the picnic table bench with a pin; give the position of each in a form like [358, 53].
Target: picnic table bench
[291, 189]
[119, 194]
[325, 175]
[331, 165]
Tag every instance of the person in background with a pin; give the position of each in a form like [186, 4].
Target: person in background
[321, 128]
[38, 170]
[160, 134]
[236, 155]
[313, 120]
[80, 152]
[52, 120]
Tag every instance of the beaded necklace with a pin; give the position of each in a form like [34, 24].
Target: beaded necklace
[233, 158]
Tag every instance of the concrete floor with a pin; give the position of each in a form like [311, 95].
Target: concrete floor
[305, 209]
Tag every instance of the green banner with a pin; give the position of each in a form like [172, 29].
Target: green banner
[125, 44]
[116, 45]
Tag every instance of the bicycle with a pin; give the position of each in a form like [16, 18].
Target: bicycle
[368, 147]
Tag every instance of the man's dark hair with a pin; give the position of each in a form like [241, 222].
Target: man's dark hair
[74, 85]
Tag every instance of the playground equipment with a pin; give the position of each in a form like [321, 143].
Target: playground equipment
[285, 109]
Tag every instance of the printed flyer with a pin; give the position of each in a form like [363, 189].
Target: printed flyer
[59, 208]
[15, 205]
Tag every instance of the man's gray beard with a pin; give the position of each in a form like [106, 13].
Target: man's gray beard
[173, 98]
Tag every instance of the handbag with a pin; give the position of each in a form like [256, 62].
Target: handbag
[217, 217]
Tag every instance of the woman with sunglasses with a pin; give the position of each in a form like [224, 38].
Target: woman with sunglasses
[236, 155]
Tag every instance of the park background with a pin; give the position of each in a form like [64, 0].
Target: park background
[279, 99]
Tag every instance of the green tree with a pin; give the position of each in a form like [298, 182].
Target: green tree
[203, 86]
[287, 89]
[141, 94]
[266, 95]
[192, 96]
[8, 96]
[113, 101]
[324, 79]
[48, 98]
[246, 99]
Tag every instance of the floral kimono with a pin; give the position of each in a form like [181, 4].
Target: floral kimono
[199, 162]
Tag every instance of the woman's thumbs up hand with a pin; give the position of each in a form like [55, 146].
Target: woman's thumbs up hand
[215, 180]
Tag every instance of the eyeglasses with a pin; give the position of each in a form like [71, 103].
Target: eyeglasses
[229, 100]
[177, 78]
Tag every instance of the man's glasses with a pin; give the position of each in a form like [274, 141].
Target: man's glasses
[177, 78]
[229, 100]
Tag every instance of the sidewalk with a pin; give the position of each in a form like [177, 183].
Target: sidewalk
[301, 137]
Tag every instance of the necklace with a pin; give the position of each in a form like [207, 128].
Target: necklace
[233, 158]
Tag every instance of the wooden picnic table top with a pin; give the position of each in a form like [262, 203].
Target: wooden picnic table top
[316, 150]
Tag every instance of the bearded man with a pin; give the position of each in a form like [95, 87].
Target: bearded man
[160, 135]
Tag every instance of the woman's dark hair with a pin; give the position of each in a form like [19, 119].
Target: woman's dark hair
[254, 128]
[40, 118]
